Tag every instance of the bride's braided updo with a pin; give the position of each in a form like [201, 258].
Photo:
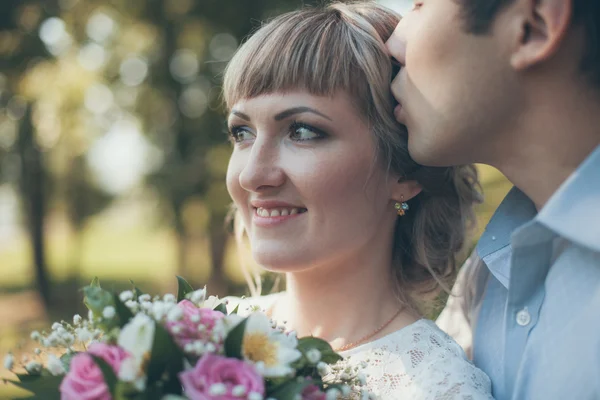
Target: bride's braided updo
[340, 47]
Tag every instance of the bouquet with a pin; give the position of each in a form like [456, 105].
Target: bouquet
[133, 346]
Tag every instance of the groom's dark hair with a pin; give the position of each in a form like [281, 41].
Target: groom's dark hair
[479, 16]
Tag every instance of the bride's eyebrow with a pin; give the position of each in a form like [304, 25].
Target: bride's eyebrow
[241, 115]
[298, 110]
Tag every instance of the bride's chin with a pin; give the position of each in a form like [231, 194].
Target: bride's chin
[280, 264]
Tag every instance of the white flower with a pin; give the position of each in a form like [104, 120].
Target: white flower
[346, 390]
[175, 314]
[83, 334]
[109, 312]
[211, 302]
[37, 351]
[273, 350]
[255, 396]
[33, 367]
[332, 394]
[238, 391]
[132, 305]
[35, 335]
[226, 324]
[217, 389]
[159, 310]
[137, 336]
[126, 295]
[9, 361]
[76, 319]
[146, 305]
[131, 371]
[169, 298]
[313, 356]
[323, 368]
[55, 366]
[144, 297]
[56, 326]
[197, 296]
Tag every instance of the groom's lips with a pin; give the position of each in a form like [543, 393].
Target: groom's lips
[398, 113]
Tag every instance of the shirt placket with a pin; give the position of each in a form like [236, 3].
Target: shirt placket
[529, 266]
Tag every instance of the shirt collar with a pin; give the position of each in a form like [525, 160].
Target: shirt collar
[494, 245]
[573, 211]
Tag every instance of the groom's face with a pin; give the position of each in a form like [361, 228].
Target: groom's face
[454, 89]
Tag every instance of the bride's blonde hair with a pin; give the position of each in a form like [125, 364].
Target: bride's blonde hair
[340, 48]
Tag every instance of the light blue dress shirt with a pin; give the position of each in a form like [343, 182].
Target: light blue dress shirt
[533, 300]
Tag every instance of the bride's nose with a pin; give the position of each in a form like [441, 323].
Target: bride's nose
[262, 169]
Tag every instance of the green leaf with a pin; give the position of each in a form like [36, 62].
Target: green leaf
[95, 282]
[235, 310]
[222, 308]
[96, 299]
[183, 288]
[289, 390]
[165, 357]
[137, 291]
[110, 378]
[123, 312]
[41, 386]
[234, 341]
[327, 354]
[66, 359]
[126, 391]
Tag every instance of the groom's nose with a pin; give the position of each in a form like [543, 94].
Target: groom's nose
[396, 44]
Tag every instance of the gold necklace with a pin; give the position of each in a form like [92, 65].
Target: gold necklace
[369, 336]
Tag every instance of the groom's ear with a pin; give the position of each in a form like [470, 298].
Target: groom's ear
[541, 27]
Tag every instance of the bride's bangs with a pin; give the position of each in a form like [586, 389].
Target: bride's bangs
[302, 50]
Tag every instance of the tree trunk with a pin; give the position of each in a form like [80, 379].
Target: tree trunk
[218, 283]
[32, 193]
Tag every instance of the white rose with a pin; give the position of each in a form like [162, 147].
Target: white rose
[137, 336]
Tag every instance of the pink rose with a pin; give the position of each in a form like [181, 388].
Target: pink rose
[85, 380]
[313, 392]
[229, 372]
[187, 331]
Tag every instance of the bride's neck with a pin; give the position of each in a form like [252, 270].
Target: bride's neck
[341, 302]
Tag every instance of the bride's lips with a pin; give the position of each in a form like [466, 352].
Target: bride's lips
[271, 213]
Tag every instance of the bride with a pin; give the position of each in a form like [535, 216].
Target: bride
[328, 196]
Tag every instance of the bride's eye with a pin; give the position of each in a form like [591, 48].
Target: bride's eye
[240, 134]
[300, 132]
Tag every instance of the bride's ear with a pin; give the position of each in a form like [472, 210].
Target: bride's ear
[404, 190]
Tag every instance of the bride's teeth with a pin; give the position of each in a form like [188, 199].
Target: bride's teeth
[275, 213]
[264, 213]
[285, 212]
[294, 211]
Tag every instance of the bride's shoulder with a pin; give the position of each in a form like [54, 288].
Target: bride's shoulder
[245, 305]
[423, 362]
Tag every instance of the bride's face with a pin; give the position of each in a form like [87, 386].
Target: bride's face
[304, 177]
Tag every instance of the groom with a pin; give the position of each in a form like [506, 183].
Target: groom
[516, 84]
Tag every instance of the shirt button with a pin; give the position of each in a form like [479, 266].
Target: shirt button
[523, 317]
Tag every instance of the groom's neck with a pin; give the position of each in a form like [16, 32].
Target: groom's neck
[557, 131]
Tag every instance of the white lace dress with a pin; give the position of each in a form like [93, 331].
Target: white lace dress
[418, 362]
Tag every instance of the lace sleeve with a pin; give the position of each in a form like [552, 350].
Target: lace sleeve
[421, 362]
